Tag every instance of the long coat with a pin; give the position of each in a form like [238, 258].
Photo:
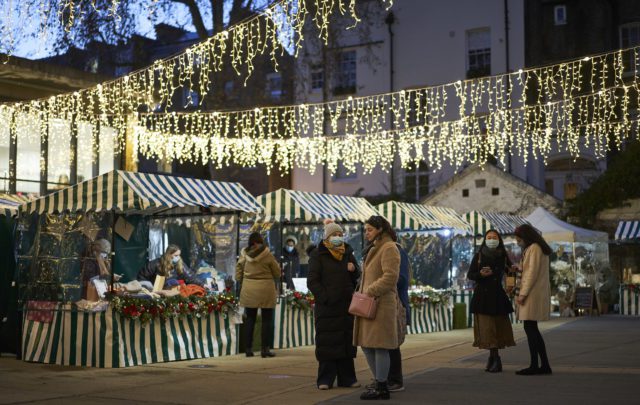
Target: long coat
[257, 275]
[534, 284]
[379, 279]
[489, 298]
[332, 286]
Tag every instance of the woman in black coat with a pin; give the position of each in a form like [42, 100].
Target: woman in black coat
[490, 305]
[332, 278]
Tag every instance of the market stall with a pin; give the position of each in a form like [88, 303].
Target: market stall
[628, 233]
[140, 214]
[8, 292]
[299, 215]
[581, 258]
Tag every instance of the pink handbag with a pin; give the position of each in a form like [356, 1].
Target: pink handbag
[363, 305]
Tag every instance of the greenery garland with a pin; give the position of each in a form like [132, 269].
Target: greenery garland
[302, 301]
[148, 309]
[431, 295]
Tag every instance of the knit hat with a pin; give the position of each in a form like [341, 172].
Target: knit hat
[103, 245]
[330, 227]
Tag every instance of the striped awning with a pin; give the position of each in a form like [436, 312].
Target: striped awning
[419, 217]
[132, 192]
[9, 204]
[481, 221]
[301, 206]
[628, 230]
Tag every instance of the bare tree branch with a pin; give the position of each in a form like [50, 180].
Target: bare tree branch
[196, 17]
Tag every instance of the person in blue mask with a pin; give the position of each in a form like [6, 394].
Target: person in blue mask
[333, 273]
[169, 265]
[490, 305]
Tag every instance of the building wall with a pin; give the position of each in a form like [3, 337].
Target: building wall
[429, 48]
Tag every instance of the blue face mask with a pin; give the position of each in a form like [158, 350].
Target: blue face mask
[336, 240]
[289, 249]
[175, 259]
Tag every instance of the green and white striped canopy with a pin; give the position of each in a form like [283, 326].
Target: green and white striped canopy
[301, 206]
[628, 230]
[129, 192]
[10, 203]
[419, 217]
[482, 221]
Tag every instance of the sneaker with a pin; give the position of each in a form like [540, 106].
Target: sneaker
[396, 387]
[323, 387]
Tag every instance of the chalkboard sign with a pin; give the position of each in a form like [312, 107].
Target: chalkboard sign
[585, 298]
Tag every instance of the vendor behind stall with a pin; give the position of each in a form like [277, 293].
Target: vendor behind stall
[290, 261]
[169, 265]
[96, 263]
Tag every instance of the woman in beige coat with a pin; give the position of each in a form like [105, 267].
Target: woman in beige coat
[379, 278]
[534, 297]
[256, 272]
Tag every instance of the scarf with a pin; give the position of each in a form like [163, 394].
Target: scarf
[336, 252]
[491, 253]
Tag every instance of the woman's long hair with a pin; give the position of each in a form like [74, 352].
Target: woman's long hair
[530, 235]
[165, 261]
[382, 224]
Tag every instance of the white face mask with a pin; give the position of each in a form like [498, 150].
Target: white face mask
[492, 243]
[104, 255]
[175, 259]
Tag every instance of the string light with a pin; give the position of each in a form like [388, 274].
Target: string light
[529, 112]
[111, 104]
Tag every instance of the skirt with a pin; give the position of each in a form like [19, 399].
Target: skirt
[492, 331]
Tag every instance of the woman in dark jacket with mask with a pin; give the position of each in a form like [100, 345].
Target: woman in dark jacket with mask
[490, 305]
[332, 278]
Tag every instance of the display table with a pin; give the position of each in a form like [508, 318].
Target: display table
[630, 299]
[106, 339]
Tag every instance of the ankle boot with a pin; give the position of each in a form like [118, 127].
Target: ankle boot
[267, 353]
[380, 392]
[496, 366]
[489, 363]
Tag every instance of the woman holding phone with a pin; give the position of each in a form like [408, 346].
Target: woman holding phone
[490, 305]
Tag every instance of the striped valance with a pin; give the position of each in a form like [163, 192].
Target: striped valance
[481, 221]
[10, 203]
[291, 205]
[416, 217]
[628, 230]
[131, 192]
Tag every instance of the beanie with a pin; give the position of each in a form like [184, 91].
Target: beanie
[330, 227]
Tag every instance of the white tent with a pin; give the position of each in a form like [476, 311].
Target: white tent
[556, 230]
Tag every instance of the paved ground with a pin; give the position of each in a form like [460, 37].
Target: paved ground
[595, 360]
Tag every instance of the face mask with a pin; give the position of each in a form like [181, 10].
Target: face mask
[175, 259]
[104, 255]
[492, 243]
[336, 240]
[289, 249]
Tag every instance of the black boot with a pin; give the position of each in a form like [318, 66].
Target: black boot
[496, 366]
[267, 353]
[489, 362]
[380, 392]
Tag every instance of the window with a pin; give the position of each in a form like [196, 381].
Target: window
[274, 85]
[317, 78]
[560, 14]
[342, 173]
[28, 157]
[416, 181]
[346, 73]
[228, 88]
[481, 183]
[570, 191]
[106, 152]
[548, 186]
[478, 53]
[5, 141]
[86, 153]
[465, 192]
[629, 37]
[495, 191]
